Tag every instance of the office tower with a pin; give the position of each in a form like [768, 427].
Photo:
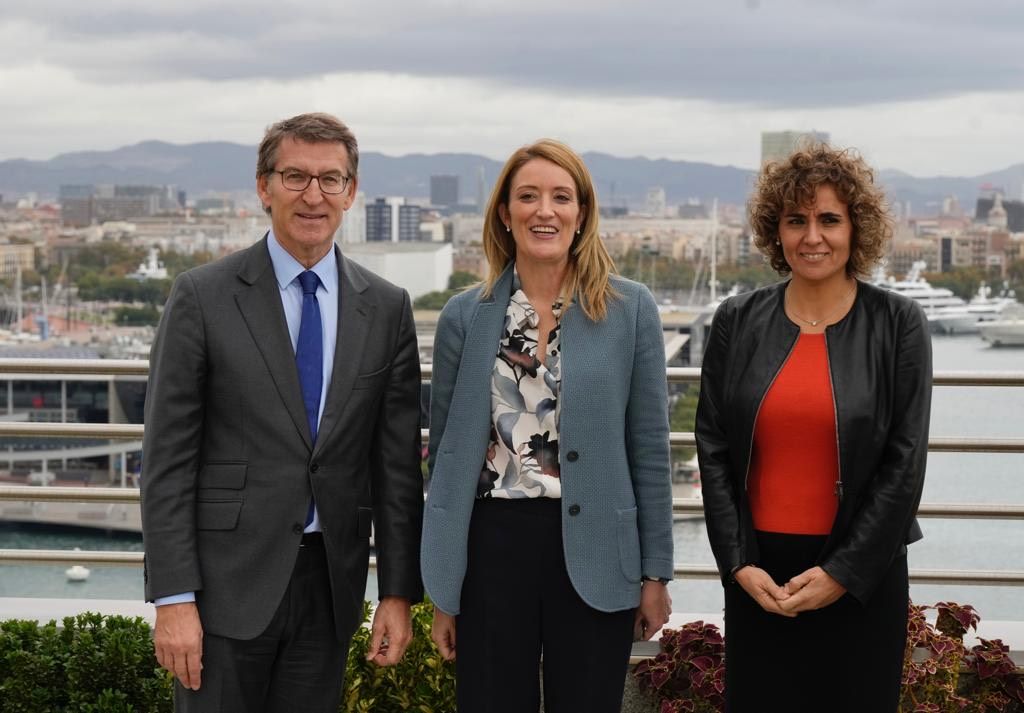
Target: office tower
[378, 221]
[409, 218]
[444, 190]
[76, 205]
[481, 190]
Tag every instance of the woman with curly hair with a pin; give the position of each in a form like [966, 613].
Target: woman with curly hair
[548, 525]
[812, 432]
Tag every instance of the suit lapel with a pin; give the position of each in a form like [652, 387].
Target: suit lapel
[260, 305]
[479, 350]
[355, 317]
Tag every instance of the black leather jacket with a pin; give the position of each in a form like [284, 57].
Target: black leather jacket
[881, 369]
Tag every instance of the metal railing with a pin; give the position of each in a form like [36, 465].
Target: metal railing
[681, 506]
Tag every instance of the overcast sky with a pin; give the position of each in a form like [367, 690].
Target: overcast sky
[931, 87]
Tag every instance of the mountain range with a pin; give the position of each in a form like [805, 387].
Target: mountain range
[202, 168]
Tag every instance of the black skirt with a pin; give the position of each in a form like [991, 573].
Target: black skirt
[846, 657]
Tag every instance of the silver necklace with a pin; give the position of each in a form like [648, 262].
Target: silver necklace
[816, 322]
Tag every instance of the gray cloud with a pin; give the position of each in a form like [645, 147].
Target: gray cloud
[768, 53]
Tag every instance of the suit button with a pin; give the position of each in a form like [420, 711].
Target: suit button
[297, 528]
[574, 509]
[572, 456]
[314, 468]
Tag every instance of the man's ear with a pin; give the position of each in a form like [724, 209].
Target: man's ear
[350, 193]
[263, 190]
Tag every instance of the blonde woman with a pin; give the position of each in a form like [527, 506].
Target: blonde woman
[548, 527]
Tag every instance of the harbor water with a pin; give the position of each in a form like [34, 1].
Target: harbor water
[983, 412]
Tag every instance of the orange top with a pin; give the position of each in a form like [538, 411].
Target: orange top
[795, 463]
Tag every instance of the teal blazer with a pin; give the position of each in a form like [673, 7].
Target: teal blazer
[616, 487]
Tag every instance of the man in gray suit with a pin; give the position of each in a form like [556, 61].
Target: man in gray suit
[282, 414]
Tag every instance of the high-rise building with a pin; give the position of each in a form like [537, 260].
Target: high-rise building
[409, 218]
[76, 205]
[481, 190]
[777, 145]
[378, 221]
[392, 220]
[444, 190]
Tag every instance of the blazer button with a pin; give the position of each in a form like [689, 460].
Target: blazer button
[314, 468]
[572, 456]
[574, 509]
[297, 528]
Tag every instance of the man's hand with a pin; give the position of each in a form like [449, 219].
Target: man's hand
[654, 610]
[763, 589]
[810, 590]
[391, 631]
[443, 634]
[178, 640]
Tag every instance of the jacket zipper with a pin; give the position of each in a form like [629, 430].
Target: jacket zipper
[750, 449]
[835, 416]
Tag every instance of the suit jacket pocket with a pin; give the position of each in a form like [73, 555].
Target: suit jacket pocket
[372, 380]
[218, 514]
[223, 475]
[629, 544]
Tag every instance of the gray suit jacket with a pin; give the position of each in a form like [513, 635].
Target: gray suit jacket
[228, 463]
[614, 419]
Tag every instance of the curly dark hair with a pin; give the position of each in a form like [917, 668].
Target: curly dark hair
[793, 182]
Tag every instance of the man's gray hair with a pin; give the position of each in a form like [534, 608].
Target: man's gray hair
[313, 128]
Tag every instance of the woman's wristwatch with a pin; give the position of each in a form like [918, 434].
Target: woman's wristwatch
[663, 580]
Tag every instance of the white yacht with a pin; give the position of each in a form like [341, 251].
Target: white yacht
[946, 313]
[988, 307]
[1007, 330]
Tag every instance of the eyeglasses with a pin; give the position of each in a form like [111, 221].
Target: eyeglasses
[330, 183]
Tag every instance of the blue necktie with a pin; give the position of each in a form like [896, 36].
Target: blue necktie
[309, 357]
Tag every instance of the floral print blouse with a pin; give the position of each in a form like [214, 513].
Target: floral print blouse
[522, 457]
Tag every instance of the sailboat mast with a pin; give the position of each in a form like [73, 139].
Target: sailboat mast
[714, 250]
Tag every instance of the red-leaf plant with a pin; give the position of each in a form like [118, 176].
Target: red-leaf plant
[688, 676]
[931, 680]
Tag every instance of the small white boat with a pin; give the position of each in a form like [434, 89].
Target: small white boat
[1007, 331]
[77, 573]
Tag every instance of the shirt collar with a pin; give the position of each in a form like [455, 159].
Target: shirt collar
[287, 269]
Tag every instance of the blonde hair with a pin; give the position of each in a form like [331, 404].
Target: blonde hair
[588, 279]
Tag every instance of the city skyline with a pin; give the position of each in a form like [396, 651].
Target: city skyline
[929, 88]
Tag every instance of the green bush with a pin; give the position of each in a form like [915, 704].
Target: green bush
[92, 664]
[105, 664]
[422, 681]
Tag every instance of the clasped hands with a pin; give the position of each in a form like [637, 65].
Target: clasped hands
[812, 589]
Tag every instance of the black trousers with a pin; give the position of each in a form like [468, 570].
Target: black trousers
[845, 658]
[296, 666]
[518, 605]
